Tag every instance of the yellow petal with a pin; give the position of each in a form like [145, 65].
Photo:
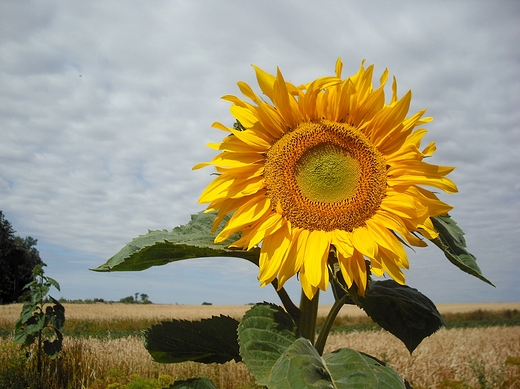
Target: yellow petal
[339, 67]
[309, 289]
[392, 268]
[247, 91]
[272, 255]
[218, 185]
[293, 262]
[220, 126]
[342, 240]
[284, 102]
[397, 225]
[250, 212]
[364, 242]
[443, 183]
[430, 149]
[243, 115]
[265, 81]
[267, 227]
[387, 239]
[317, 253]
[359, 268]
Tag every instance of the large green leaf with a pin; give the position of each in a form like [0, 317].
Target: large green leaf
[279, 359]
[451, 241]
[193, 240]
[265, 332]
[208, 340]
[403, 311]
[300, 366]
[193, 383]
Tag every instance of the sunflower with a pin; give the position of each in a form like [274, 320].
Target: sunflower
[326, 167]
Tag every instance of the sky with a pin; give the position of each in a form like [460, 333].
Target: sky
[105, 107]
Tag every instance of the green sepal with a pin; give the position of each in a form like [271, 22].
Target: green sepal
[279, 359]
[403, 311]
[211, 340]
[193, 383]
[193, 240]
[451, 241]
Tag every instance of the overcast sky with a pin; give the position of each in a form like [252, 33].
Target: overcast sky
[105, 106]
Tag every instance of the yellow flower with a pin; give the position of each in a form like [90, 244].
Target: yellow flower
[327, 166]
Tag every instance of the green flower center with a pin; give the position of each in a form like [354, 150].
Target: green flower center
[327, 173]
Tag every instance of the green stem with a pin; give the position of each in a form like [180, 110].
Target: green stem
[286, 301]
[329, 321]
[308, 316]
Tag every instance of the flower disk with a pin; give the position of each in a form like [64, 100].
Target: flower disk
[325, 176]
[326, 167]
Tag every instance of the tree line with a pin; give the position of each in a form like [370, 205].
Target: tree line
[18, 258]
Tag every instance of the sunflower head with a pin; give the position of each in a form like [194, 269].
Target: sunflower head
[326, 170]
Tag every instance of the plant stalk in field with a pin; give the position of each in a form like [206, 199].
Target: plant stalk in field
[41, 320]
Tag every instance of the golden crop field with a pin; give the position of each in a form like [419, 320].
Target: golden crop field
[157, 312]
[450, 358]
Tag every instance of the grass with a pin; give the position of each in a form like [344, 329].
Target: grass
[480, 348]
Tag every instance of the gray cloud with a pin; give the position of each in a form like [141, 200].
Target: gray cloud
[104, 109]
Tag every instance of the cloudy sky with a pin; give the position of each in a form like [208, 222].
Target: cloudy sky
[105, 106]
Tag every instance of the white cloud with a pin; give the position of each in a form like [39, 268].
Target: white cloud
[105, 108]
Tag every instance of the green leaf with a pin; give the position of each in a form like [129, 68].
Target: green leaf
[208, 341]
[451, 241]
[53, 282]
[20, 336]
[301, 366]
[279, 359]
[265, 332]
[35, 324]
[403, 311]
[57, 316]
[53, 348]
[193, 383]
[193, 240]
[39, 292]
[26, 314]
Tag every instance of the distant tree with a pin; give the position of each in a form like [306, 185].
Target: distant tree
[18, 258]
[145, 299]
[6, 235]
[127, 300]
[134, 300]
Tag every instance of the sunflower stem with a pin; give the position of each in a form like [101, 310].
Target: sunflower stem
[289, 306]
[327, 325]
[308, 316]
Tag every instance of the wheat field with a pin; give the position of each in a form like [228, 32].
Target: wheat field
[478, 357]
[447, 355]
[157, 312]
